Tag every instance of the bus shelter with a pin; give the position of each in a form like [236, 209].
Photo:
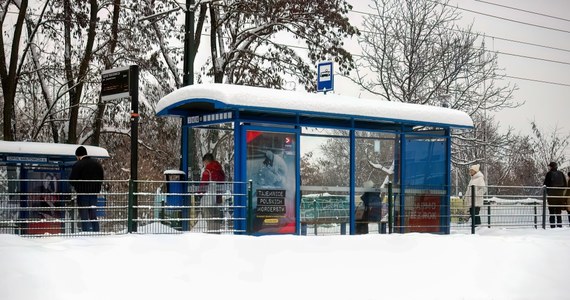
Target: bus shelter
[36, 190]
[377, 143]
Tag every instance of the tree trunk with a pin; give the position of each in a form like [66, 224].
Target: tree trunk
[8, 73]
[98, 122]
[75, 94]
[218, 72]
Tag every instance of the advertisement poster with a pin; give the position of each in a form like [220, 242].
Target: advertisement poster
[271, 160]
[425, 216]
[45, 202]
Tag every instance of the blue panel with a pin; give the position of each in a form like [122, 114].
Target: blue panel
[403, 165]
[426, 167]
[352, 180]
[298, 185]
[447, 199]
[425, 163]
[184, 149]
[240, 178]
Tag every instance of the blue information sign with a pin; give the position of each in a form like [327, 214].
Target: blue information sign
[325, 77]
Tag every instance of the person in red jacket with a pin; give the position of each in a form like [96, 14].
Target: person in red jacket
[213, 172]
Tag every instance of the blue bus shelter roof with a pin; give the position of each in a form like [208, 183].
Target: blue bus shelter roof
[202, 99]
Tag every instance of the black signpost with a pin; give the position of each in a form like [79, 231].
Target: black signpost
[122, 83]
[115, 83]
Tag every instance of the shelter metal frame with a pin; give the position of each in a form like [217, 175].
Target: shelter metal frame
[252, 108]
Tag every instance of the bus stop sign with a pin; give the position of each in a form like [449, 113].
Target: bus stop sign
[325, 77]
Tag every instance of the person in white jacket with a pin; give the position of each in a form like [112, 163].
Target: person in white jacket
[477, 180]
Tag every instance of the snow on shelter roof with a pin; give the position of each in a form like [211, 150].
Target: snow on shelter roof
[48, 149]
[201, 98]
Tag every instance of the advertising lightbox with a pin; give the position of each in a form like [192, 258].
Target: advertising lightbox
[271, 166]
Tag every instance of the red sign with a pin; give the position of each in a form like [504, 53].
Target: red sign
[425, 215]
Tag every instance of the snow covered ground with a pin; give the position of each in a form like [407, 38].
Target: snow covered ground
[492, 264]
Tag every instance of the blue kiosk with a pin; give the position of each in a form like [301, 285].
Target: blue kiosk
[381, 142]
[36, 173]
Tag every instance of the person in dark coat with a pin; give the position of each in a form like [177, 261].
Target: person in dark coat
[86, 178]
[555, 181]
[213, 172]
[372, 208]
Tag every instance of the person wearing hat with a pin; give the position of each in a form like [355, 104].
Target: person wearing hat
[477, 182]
[554, 182]
[86, 178]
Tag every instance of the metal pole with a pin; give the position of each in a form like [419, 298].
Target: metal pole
[188, 79]
[544, 207]
[390, 207]
[250, 206]
[130, 208]
[489, 215]
[189, 53]
[472, 209]
[315, 215]
[134, 94]
[535, 216]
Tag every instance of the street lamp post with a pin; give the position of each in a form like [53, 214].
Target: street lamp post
[187, 79]
[189, 54]
[187, 139]
[187, 142]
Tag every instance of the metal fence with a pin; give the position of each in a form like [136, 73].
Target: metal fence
[121, 207]
[515, 207]
[28, 208]
[326, 210]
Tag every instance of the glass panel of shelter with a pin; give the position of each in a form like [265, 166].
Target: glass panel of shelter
[325, 175]
[325, 169]
[425, 174]
[376, 166]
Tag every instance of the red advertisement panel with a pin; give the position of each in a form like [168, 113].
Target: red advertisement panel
[425, 214]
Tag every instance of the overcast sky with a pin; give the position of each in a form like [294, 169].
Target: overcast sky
[548, 104]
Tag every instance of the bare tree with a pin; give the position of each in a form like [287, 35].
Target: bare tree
[414, 52]
[62, 50]
[59, 48]
[246, 40]
[549, 146]
[517, 166]
[10, 63]
[86, 19]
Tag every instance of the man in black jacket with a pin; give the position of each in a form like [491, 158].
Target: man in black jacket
[86, 177]
[555, 181]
